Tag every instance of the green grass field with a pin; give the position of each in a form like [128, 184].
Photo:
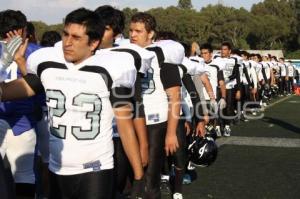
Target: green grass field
[256, 172]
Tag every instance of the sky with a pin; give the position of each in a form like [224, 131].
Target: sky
[53, 11]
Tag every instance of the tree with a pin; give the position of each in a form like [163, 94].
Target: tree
[185, 4]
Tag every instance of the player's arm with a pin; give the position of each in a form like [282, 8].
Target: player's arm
[140, 122]
[21, 88]
[170, 78]
[122, 106]
[207, 86]
[195, 98]
[221, 83]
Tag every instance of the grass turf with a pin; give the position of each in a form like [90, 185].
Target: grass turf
[249, 172]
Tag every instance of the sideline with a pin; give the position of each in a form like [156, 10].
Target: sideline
[259, 141]
[278, 101]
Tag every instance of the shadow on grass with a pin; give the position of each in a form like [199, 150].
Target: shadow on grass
[283, 124]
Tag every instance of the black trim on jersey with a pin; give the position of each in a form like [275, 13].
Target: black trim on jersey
[236, 74]
[263, 71]
[159, 54]
[169, 75]
[194, 60]
[215, 66]
[34, 82]
[137, 99]
[136, 56]
[49, 64]
[102, 71]
[119, 96]
[247, 75]
[220, 76]
[184, 69]
[217, 56]
[191, 89]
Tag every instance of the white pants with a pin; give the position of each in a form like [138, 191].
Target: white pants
[19, 151]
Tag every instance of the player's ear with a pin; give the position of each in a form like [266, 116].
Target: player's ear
[151, 35]
[94, 44]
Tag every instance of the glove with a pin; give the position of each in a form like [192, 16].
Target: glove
[222, 103]
[9, 50]
[213, 106]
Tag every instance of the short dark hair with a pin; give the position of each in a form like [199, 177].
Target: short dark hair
[227, 44]
[11, 20]
[259, 57]
[30, 29]
[236, 51]
[207, 46]
[49, 38]
[245, 53]
[147, 19]
[112, 17]
[164, 35]
[93, 23]
[187, 48]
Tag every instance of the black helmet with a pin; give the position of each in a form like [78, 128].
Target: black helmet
[202, 151]
[211, 132]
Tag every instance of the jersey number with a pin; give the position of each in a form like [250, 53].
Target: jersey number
[148, 85]
[59, 110]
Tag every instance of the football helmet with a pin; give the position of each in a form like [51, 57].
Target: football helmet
[211, 132]
[202, 151]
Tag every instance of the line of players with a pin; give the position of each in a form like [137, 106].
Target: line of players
[87, 79]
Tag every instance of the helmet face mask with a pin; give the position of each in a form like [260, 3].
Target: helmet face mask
[202, 151]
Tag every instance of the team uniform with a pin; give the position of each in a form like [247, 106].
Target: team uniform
[163, 74]
[282, 78]
[80, 99]
[232, 79]
[290, 74]
[249, 81]
[19, 130]
[142, 61]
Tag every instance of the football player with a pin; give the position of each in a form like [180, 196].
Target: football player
[84, 91]
[161, 95]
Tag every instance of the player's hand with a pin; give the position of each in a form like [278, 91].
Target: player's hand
[188, 127]
[254, 91]
[171, 143]
[200, 129]
[10, 48]
[144, 151]
[222, 103]
[206, 119]
[213, 105]
[238, 95]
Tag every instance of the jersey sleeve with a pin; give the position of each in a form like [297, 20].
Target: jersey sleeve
[170, 75]
[173, 51]
[123, 82]
[142, 57]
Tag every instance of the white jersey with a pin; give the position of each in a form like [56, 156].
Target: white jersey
[154, 96]
[142, 62]
[253, 74]
[267, 69]
[79, 105]
[228, 71]
[290, 70]
[282, 69]
[194, 66]
[198, 66]
[213, 70]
